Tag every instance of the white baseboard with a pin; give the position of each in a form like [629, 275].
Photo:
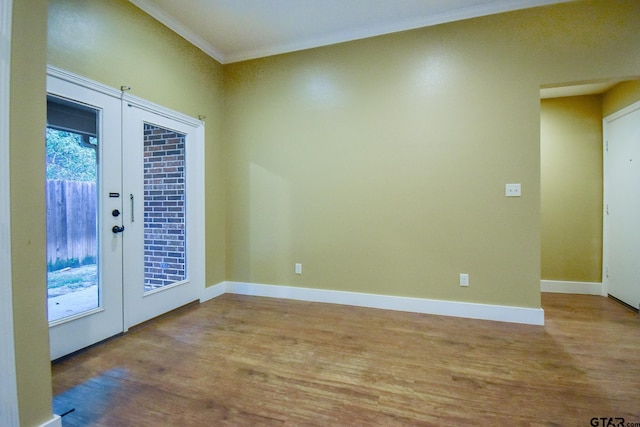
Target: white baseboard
[214, 291]
[56, 421]
[531, 316]
[562, 287]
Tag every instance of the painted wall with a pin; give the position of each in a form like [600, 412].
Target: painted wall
[380, 164]
[571, 188]
[27, 123]
[571, 181]
[621, 95]
[115, 43]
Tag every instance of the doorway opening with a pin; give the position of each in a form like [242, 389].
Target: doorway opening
[574, 235]
[125, 211]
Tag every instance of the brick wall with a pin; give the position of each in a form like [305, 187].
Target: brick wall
[164, 207]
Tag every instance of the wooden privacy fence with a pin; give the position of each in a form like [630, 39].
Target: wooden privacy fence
[71, 223]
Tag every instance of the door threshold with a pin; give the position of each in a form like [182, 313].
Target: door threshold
[82, 350]
[162, 316]
[131, 329]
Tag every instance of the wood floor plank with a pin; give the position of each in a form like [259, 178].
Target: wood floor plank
[239, 360]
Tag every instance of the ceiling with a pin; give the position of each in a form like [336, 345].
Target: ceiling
[577, 89]
[236, 30]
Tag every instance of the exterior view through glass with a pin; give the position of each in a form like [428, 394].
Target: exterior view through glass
[164, 208]
[72, 209]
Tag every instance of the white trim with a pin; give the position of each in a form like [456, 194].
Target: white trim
[84, 82]
[214, 291]
[564, 287]
[623, 112]
[56, 421]
[179, 28]
[143, 104]
[9, 412]
[499, 313]
[605, 210]
[133, 100]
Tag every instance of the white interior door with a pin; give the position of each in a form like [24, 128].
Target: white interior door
[622, 189]
[163, 173]
[84, 279]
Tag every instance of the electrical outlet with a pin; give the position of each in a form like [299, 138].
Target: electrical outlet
[298, 269]
[464, 279]
[513, 190]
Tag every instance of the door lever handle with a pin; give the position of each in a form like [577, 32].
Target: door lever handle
[117, 229]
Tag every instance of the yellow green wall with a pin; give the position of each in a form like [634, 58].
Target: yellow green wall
[115, 43]
[380, 164]
[621, 95]
[28, 265]
[571, 188]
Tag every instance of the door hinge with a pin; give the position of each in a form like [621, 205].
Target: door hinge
[606, 145]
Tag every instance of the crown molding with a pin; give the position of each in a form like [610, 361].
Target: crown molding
[179, 28]
[477, 10]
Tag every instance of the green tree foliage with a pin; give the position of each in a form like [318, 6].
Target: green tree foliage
[68, 158]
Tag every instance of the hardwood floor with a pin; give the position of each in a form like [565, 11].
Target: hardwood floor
[249, 361]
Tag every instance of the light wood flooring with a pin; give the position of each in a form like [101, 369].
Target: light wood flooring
[250, 361]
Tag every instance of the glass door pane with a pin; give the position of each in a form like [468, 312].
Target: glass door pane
[72, 209]
[164, 207]
[84, 208]
[162, 166]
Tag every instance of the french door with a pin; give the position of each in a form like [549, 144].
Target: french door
[124, 211]
[164, 197]
[84, 270]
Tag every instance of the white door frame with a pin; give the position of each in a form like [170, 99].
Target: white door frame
[9, 415]
[606, 122]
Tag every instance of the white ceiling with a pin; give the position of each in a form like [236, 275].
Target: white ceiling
[577, 89]
[236, 30]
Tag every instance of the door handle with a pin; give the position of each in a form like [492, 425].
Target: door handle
[117, 229]
[132, 206]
